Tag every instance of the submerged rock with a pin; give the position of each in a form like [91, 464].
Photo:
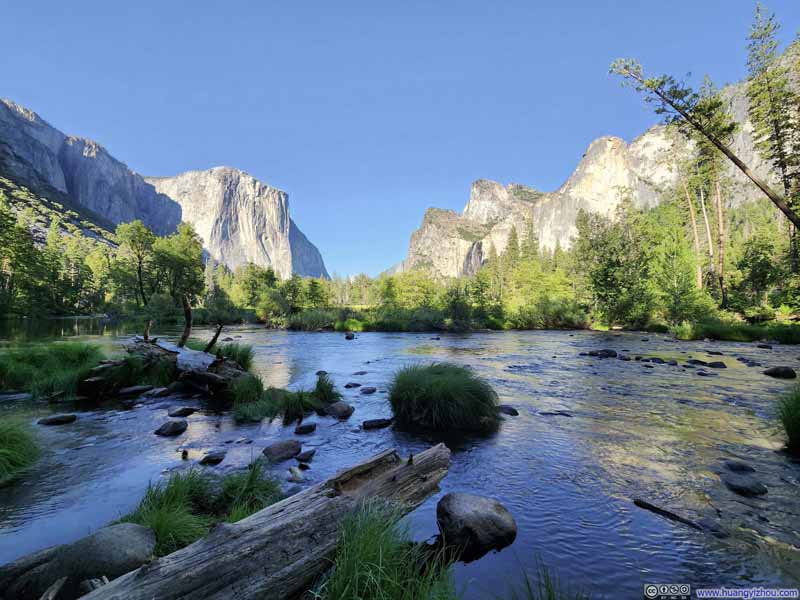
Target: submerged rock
[507, 409]
[280, 451]
[474, 524]
[58, 419]
[306, 455]
[555, 413]
[360, 373]
[781, 372]
[305, 429]
[111, 551]
[368, 390]
[349, 335]
[764, 346]
[213, 458]
[172, 428]
[737, 466]
[180, 411]
[744, 485]
[376, 423]
[605, 353]
[698, 362]
[717, 364]
[340, 410]
[351, 384]
[134, 390]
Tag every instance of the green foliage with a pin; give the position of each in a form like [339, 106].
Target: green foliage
[18, 449]
[443, 397]
[247, 390]
[252, 403]
[375, 559]
[182, 509]
[736, 331]
[46, 368]
[789, 415]
[312, 319]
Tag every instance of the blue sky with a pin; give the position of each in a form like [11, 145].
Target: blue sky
[366, 113]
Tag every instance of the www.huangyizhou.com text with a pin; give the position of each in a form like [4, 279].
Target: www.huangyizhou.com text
[748, 593]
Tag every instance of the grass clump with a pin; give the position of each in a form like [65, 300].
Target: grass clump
[247, 390]
[183, 509]
[547, 587]
[443, 397]
[44, 369]
[241, 354]
[18, 449]
[325, 391]
[789, 414]
[312, 319]
[737, 331]
[375, 559]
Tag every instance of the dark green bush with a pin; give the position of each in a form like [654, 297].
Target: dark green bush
[443, 397]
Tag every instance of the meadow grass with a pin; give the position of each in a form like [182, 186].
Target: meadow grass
[183, 509]
[18, 449]
[376, 560]
[47, 368]
[789, 415]
[442, 397]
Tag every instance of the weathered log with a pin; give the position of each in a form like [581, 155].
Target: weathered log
[280, 551]
[214, 339]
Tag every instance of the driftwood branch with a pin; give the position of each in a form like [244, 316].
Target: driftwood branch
[280, 551]
[214, 339]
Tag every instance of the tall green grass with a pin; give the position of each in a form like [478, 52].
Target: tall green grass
[789, 415]
[47, 368]
[443, 397]
[182, 509]
[312, 319]
[375, 560]
[546, 587]
[241, 354]
[18, 449]
[252, 402]
[325, 391]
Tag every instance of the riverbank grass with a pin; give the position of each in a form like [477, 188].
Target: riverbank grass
[443, 397]
[252, 402]
[183, 509]
[789, 414]
[18, 449]
[241, 354]
[47, 368]
[737, 331]
[375, 558]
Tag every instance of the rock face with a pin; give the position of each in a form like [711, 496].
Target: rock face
[239, 218]
[242, 220]
[450, 244]
[111, 552]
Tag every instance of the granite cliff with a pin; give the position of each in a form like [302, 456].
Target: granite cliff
[239, 218]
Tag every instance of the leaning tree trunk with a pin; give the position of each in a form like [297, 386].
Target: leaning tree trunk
[214, 339]
[187, 320]
[280, 551]
[696, 239]
[709, 239]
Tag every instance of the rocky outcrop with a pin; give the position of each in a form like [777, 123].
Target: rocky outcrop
[240, 219]
[451, 244]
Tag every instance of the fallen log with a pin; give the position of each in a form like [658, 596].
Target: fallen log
[280, 551]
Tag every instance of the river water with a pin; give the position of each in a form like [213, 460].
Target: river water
[634, 430]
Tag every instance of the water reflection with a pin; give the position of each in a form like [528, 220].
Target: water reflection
[629, 431]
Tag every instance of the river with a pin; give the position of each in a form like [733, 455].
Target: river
[629, 430]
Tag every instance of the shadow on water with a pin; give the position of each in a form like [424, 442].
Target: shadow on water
[592, 434]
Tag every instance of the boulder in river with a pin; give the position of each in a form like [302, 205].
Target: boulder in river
[781, 372]
[349, 335]
[764, 346]
[213, 458]
[351, 384]
[474, 524]
[605, 353]
[717, 364]
[284, 450]
[58, 419]
[111, 551]
[180, 411]
[509, 410]
[172, 428]
[737, 466]
[340, 410]
[306, 455]
[698, 362]
[744, 485]
[368, 390]
[305, 428]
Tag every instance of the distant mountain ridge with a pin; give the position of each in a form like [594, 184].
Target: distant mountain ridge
[239, 218]
[450, 244]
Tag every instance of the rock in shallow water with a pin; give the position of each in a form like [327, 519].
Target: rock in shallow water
[352, 384]
[213, 458]
[368, 390]
[509, 410]
[180, 411]
[306, 455]
[737, 466]
[57, 420]
[134, 390]
[744, 485]
[376, 423]
[280, 451]
[305, 428]
[340, 410]
[475, 524]
[172, 428]
[781, 372]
